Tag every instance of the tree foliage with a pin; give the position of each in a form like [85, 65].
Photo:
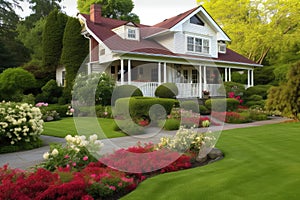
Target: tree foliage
[116, 9]
[258, 27]
[12, 52]
[75, 49]
[52, 40]
[286, 97]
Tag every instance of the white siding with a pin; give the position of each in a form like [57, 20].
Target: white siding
[167, 41]
[59, 78]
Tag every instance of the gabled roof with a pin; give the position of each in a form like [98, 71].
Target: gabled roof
[104, 34]
[169, 23]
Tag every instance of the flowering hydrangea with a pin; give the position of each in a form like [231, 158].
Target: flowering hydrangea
[20, 122]
[77, 153]
[185, 139]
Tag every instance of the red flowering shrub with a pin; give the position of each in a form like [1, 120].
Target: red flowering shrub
[145, 159]
[230, 117]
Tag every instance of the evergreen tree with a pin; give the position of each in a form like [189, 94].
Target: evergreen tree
[75, 49]
[52, 41]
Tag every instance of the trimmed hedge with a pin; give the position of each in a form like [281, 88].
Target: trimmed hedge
[221, 105]
[124, 91]
[167, 90]
[203, 110]
[61, 109]
[140, 106]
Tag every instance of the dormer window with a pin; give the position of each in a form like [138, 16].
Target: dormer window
[196, 20]
[131, 33]
[222, 47]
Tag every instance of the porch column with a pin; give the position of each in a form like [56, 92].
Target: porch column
[159, 73]
[165, 72]
[89, 68]
[122, 72]
[252, 77]
[200, 81]
[205, 81]
[226, 74]
[229, 73]
[248, 78]
[129, 72]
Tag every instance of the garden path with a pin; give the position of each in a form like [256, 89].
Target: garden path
[27, 159]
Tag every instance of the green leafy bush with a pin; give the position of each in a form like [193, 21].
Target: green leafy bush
[172, 124]
[128, 127]
[261, 90]
[51, 108]
[237, 88]
[19, 123]
[50, 92]
[166, 90]
[254, 101]
[203, 110]
[30, 99]
[190, 105]
[124, 91]
[140, 106]
[221, 105]
[14, 82]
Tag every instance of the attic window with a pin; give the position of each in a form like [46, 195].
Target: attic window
[222, 47]
[131, 34]
[196, 20]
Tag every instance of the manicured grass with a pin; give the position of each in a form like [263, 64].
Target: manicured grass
[84, 126]
[260, 163]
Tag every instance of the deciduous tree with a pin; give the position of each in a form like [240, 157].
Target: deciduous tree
[116, 9]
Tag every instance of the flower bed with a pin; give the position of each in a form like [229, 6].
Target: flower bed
[20, 125]
[60, 178]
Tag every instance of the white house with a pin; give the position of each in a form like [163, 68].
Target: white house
[188, 49]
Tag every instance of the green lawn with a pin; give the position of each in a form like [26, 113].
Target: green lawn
[260, 163]
[84, 126]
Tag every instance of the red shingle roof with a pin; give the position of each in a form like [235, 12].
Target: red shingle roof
[104, 32]
[169, 23]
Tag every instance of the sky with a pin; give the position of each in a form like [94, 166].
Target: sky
[149, 11]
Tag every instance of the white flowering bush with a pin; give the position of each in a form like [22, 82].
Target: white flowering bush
[77, 153]
[19, 123]
[185, 139]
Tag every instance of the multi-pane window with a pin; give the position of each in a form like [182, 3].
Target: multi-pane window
[198, 45]
[131, 34]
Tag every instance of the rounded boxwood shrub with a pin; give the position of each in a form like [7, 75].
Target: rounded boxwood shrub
[20, 123]
[140, 106]
[166, 90]
[190, 105]
[203, 110]
[172, 124]
[124, 91]
[222, 105]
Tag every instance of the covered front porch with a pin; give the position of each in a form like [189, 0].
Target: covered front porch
[190, 78]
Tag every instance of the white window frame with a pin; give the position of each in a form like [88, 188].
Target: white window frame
[198, 45]
[220, 46]
[131, 33]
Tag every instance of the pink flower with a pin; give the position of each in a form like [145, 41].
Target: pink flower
[93, 176]
[74, 164]
[67, 156]
[105, 113]
[72, 110]
[112, 187]
[85, 158]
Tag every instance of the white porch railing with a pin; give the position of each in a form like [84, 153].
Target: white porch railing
[185, 90]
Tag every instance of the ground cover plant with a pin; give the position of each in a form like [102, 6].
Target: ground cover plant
[260, 163]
